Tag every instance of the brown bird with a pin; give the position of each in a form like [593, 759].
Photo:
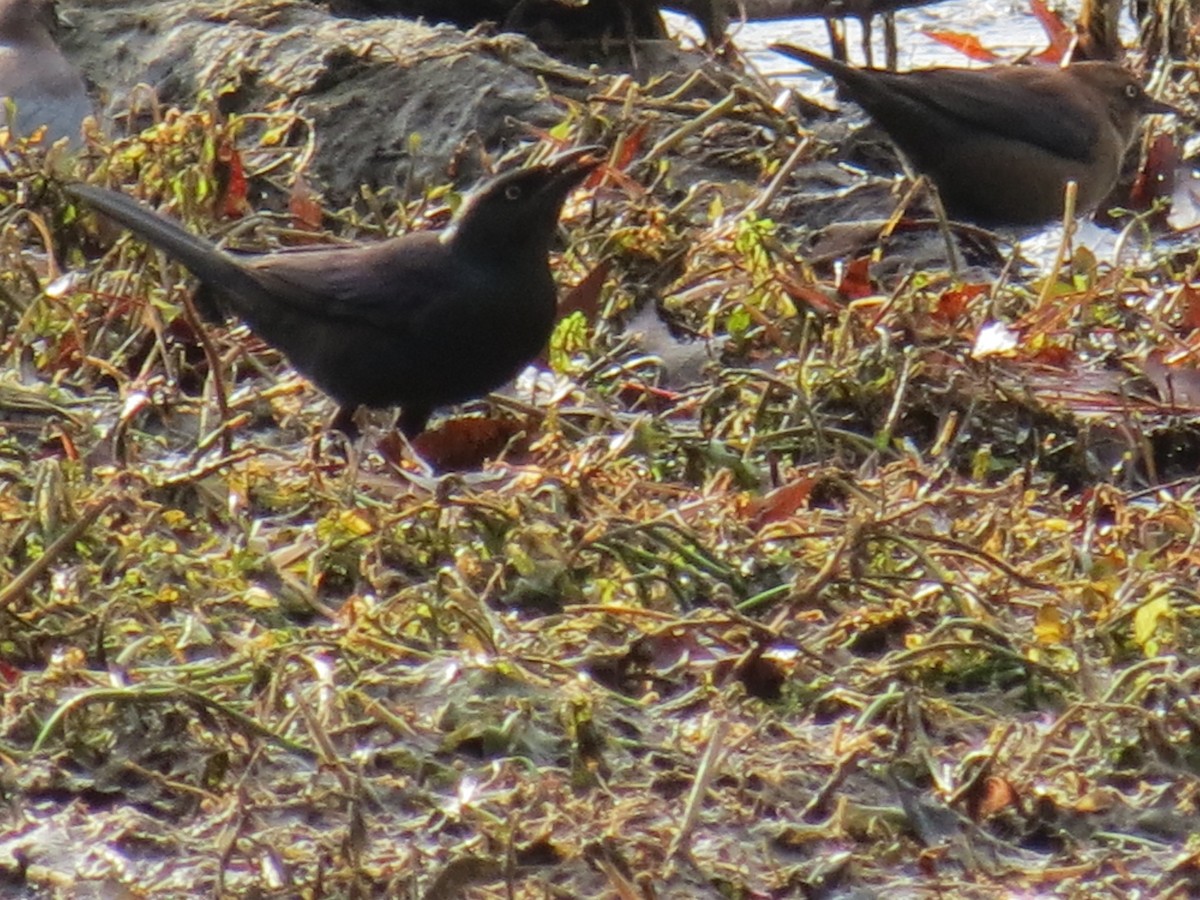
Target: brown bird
[45, 88]
[418, 321]
[1001, 143]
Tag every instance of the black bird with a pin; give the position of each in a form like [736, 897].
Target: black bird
[418, 321]
[45, 88]
[1001, 143]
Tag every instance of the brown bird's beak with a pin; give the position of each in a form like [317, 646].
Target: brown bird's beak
[1152, 107]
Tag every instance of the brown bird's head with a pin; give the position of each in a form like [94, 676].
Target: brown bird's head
[1126, 99]
[24, 20]
[516, 214]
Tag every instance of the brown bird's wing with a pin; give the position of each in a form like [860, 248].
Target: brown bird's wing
[1028, 104]
[1001, 101]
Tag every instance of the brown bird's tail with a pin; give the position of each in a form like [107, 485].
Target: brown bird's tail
[212, 266]
[839, 71]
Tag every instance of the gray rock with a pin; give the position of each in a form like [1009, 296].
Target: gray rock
[391, 100]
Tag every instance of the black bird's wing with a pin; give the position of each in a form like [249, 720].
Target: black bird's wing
[405, 321]
[363, 284]
[390, 285]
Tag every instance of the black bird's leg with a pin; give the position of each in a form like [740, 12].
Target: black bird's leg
[343, 421]
[413, 420]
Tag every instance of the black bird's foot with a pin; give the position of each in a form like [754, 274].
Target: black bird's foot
[342, 434]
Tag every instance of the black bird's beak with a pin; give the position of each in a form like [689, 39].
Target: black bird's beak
[572, 166]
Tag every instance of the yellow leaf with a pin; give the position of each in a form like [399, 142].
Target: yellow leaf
[354, 523]
[1146, 622]
[1050, 627]
[1058, 526]
[277, 136]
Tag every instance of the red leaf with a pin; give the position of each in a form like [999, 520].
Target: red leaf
[465, 444]
[629, 150]
[302, 204]
[69, 448]
[952, 304]
[631, 146]
[1156, 179]
[1060, 34]
[1055, 355]
[856, 280]
[9, 674]
[1188, 302]
[966, 44]
[232, 176]
[806, 294]
[636, 394]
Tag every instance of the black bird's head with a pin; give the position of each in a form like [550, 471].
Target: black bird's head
[515, 214]
[1126, 99]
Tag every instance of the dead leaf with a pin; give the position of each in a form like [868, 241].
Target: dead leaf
[998, 794]
[584, 297]
[232, 177]
[1187, 302]
[781, 503]
[1177, 380]
[806, 294]
[1156, 179]
[1051, 628]
[953, 304]
[456, 445]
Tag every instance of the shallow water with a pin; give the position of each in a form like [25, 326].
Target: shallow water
[1007, 28]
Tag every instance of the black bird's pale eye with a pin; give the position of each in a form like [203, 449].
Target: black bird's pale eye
[512, 192]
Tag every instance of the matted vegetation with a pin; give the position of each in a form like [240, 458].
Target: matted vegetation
[829, 595]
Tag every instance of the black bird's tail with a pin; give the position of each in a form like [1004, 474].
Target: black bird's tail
[211, 265]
